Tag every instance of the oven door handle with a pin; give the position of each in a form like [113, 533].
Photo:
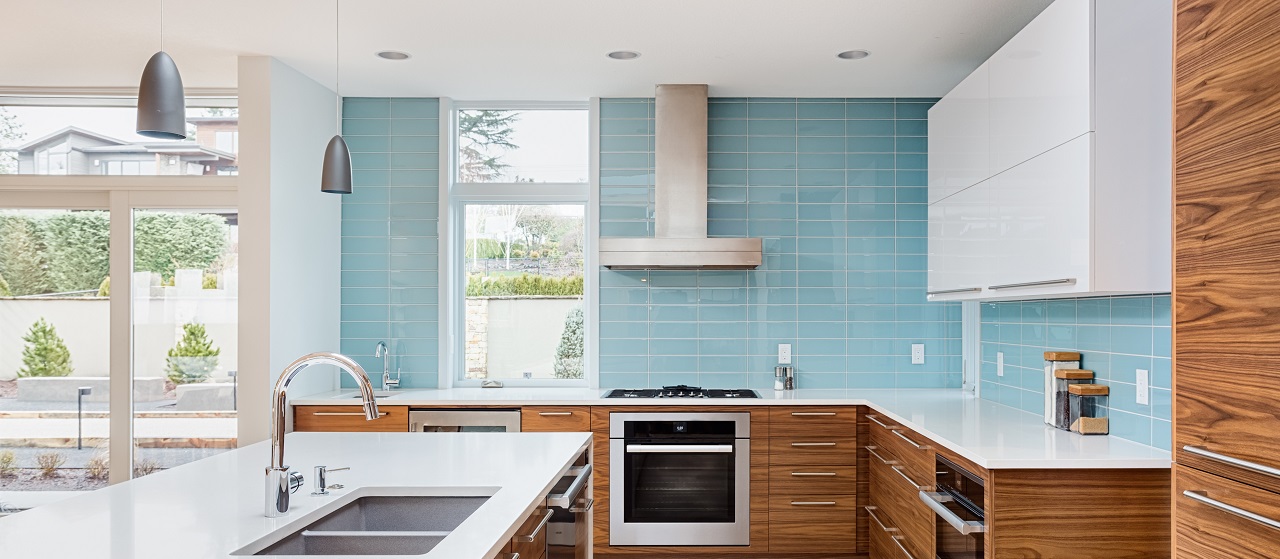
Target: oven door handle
[935, 499]
[679, 448]
[570, 495]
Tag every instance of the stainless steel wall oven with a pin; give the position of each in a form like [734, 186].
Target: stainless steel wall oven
[679, 479]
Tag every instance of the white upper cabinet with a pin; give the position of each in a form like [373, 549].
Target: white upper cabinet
[1041, 83]
[1068, 194]
[959, 137]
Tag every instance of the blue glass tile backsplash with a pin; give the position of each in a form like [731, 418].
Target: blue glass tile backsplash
[837, 190]
[1116, 336]
[389, 246]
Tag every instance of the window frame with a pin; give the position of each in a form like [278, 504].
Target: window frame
[455, 196]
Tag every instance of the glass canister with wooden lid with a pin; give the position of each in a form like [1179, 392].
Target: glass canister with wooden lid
[1054, 360]
[1089, 409]
[1063, 380]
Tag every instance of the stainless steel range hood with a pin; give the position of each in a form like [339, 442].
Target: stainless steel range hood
[680, 219]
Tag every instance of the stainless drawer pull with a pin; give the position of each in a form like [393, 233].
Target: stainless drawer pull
[913, 443]
[913, 483]
[812, 413]
[546, 517]
[824, 474]
[871, 511]
[1070, 281]
[1268, 470]
[554, 413]
[511, 556]
[1200, 496]
[935, 501]
[898, 541]
[877, 422]
[584, 508]
[872, 450]
[570, 495]
[813, 503]
[345, 413]
[961, 290]
[813, 444]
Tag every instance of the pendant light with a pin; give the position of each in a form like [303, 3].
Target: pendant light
[335, 177]
[162, 110]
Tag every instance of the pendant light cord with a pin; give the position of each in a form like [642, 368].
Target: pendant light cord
[337, 61]
[161, 25]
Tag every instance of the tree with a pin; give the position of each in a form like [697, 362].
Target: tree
[45, 354]
[569, 353]
[164, 242]
[194, 358]
[482, 137]
[22, 257]
[76, 245]
[11, 134]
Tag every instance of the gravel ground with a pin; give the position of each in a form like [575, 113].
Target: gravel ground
[64, 480]
[165, 457]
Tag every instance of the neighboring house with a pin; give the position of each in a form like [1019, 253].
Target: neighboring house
[76, 151]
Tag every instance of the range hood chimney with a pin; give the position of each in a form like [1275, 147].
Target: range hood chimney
[680, 218]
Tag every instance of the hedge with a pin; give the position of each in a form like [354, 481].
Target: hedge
[523, 284]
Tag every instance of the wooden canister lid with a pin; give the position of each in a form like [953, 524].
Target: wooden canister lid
[1089, 389]
[1061, 356]
[1073, 374]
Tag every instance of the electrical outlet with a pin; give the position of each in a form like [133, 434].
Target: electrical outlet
[784, 354]
[1144, 388]
[999, 363]
[917, 354]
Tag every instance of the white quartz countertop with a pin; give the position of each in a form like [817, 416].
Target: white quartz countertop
[991, 435]
[213, 507]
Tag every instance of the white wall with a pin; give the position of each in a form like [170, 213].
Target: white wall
[290, 252]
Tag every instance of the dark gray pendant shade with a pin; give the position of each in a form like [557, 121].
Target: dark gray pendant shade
[335, 178]
[162, 110]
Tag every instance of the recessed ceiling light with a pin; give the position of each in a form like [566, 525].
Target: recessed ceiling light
[623, 55]
[393, 55]
[853, 54]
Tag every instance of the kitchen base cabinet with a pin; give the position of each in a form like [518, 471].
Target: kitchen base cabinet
[813, 457]
[391, 419]
[555, 419]
[1213, 517]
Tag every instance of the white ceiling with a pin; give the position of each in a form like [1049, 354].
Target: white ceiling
[524, 49]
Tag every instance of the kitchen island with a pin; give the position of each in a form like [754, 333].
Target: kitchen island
[213, 508]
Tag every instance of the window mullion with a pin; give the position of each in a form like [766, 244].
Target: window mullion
[121, 338]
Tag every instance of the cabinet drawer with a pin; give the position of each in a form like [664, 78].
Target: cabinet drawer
[897, 499]
[556, 419]
[350, 418]
[813, 421]
[825, 480]
[812, 523]
[813, 451]
[534, 528]
[887, 540]
[1205, 530]
[908, 448]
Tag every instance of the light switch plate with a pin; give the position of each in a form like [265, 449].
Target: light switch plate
[1144, 388]
[917, 354]
[784, 354]
[999, 363]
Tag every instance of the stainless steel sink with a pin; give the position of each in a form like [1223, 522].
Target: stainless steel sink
[380, 525]
[377, 394]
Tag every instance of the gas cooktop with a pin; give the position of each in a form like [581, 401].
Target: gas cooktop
[681, 391]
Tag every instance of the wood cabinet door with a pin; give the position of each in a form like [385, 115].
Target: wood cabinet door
[1227, 238]
[1207, 528]
[555, 419]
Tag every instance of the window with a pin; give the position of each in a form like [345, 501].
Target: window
[518, 235]
[522, 146]
[73, 136]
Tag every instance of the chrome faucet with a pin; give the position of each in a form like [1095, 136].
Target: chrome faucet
[388, 383]
[280, 482]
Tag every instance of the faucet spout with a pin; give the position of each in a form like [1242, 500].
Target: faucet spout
[278, 479]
